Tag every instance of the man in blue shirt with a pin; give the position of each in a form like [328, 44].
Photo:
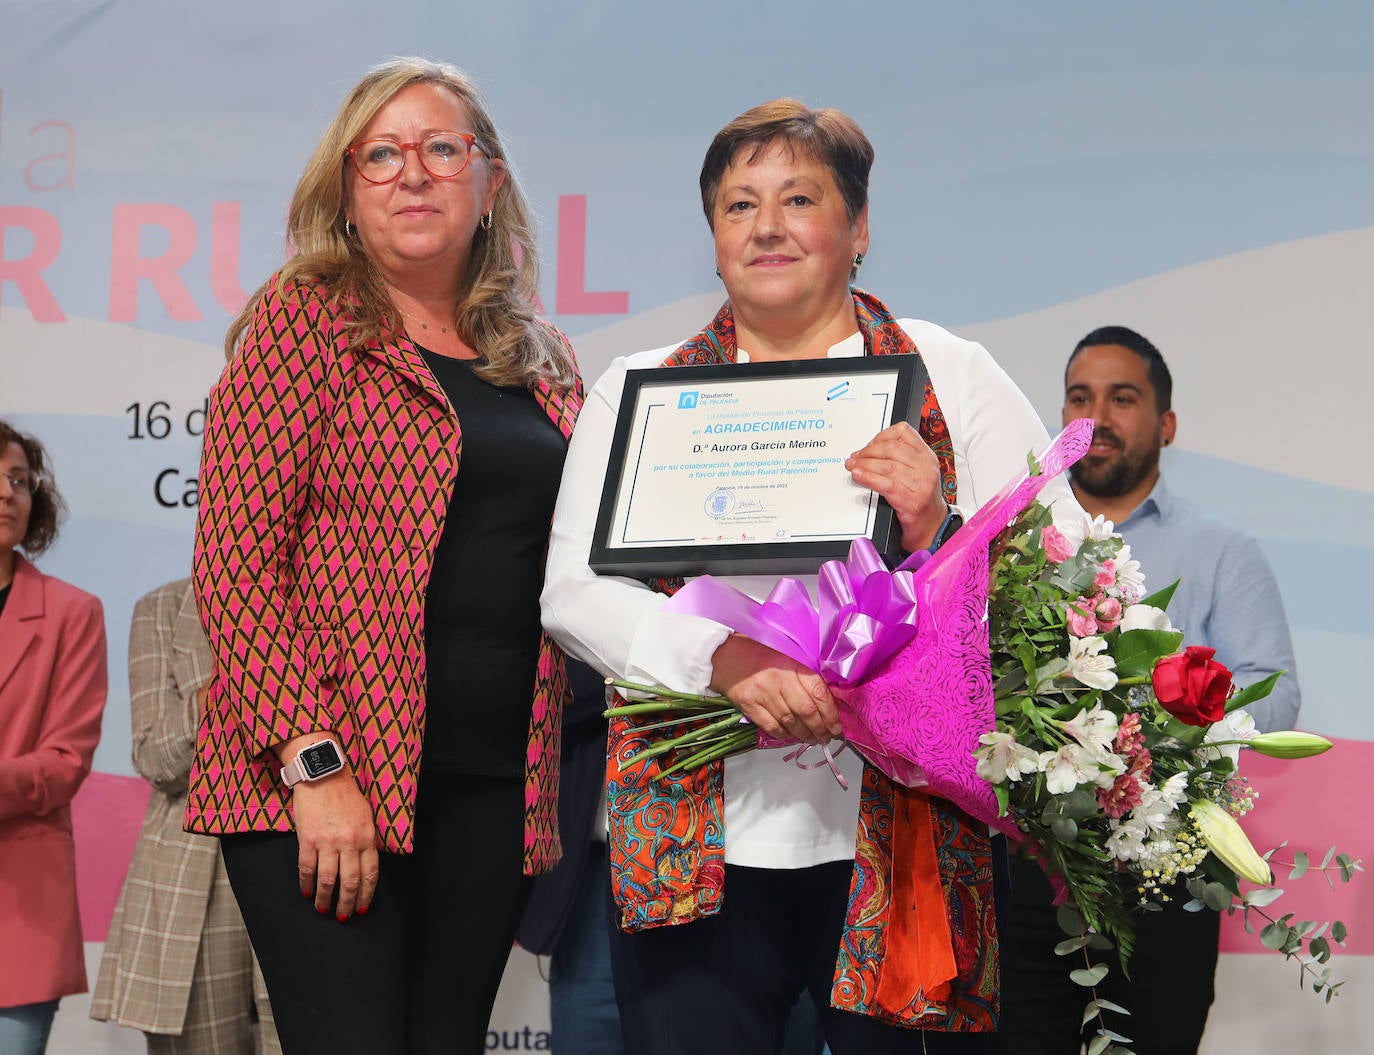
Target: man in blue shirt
[1226, 599]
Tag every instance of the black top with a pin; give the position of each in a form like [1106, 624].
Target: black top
[4, 596]
[482, 605]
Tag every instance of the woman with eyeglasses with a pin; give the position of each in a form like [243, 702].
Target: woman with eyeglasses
[52, 693]
[379, 746]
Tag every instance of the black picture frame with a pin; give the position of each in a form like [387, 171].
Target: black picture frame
[684, 557]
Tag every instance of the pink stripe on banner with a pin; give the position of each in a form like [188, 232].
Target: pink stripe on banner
[1314, 803]
[106, 815]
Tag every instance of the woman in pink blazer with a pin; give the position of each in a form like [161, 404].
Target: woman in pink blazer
[52, 693]
[380, 743]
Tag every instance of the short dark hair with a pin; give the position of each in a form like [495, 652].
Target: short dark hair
[828, 136]
[1161, 381]
[48, 508]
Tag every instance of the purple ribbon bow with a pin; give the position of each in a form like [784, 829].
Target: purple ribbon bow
[905, 652]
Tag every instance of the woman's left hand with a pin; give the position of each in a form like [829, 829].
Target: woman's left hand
[898, 465]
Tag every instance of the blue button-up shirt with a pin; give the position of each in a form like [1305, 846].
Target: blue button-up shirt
[1227, 598]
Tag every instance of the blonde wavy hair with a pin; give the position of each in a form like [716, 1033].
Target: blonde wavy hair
[495, 314]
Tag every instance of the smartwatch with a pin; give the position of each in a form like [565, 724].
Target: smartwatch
[313, 763]
[953, 521]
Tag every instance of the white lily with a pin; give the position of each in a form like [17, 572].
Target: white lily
[1002, 758]
[1086, 665]
[1094, 729]
[1238, 725]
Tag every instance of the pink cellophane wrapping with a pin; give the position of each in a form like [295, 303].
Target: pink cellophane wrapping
[904, 652]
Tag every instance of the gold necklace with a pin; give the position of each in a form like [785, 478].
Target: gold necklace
[423, 325]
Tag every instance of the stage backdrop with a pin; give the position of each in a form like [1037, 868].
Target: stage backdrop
[1202, 173]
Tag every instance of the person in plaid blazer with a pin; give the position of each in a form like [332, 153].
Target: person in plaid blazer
[381, 461]
[177, 962]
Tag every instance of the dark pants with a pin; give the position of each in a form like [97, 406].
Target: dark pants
[725, 985]
[1168, 992]
[582, 1012]
[417, 974]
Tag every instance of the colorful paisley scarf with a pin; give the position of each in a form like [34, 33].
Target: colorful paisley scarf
[919, 947]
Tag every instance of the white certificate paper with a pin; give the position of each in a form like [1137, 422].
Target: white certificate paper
[712, 459]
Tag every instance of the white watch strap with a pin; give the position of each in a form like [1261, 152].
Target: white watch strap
[293, 772]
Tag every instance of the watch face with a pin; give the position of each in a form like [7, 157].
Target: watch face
[320, 760]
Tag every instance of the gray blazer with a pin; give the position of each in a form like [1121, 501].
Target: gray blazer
[150, 953]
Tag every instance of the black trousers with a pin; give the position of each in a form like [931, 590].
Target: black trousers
[725, 985]
[417, 974]
[1168, 993]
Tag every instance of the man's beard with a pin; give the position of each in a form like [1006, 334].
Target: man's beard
[1114, 474]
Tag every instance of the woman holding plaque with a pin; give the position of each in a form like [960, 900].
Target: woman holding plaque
[755, 855]
[379, 745]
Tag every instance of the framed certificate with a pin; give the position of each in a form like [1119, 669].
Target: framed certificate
[739, 469]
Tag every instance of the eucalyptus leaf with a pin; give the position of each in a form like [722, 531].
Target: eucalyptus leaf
[1274, 936]
[1338, 931]
[1300, 865]
[1263, 896]
[1089, 1013]
[1098, 1044]
[1107, 1005]
[1217, 897]
[1070, 920]
[1070, 945]
[1065, 829]
[1089, 976]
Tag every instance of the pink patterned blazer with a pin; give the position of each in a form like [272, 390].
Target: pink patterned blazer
[325, 480]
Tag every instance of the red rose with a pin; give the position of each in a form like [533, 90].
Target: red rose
[1192, 686]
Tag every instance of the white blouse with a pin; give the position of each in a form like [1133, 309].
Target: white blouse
[776, 814]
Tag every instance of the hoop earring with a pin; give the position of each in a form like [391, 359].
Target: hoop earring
[486, 221]
[718, 274]
[349, 229]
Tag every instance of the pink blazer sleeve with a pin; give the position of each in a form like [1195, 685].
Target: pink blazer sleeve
[45, 778]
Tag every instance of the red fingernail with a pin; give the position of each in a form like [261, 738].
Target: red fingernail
[307, 893]
[342, 917]
[323, 910]
[362, 910]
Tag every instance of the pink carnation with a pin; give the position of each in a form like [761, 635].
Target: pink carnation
[1057, 548]
[1122, 797]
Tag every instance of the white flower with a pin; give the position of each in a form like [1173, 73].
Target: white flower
[1073, 765]
[1085, 664]
[1084, 528]
[1094, 729]
[1066, 768]
[1130, 580]
[1126, 842]
[1145, 617]
[1238, 725]
[1002, 758]
[1158, 806]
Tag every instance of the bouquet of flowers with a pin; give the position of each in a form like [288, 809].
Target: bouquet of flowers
[1022, 673]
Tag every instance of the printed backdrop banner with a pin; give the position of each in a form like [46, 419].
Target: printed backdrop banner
[1203, 174]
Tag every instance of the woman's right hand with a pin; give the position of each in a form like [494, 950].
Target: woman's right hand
[338, 841]
[783, 698]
